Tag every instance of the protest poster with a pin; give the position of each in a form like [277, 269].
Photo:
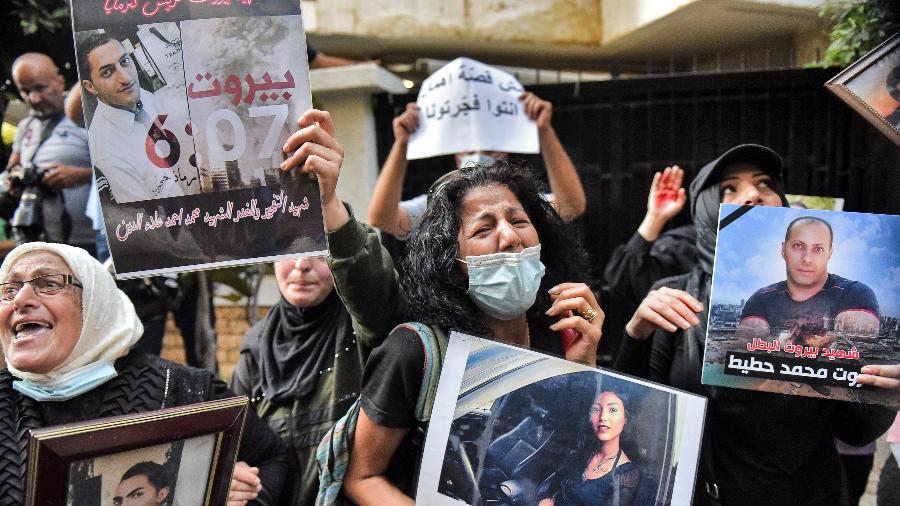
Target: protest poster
[801, 300]
[187, 106]
[469, 106]
[514, 426]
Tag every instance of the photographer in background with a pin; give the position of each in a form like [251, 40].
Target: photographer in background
[49, 172]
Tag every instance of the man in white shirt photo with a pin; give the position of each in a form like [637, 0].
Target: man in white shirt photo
[123, 141]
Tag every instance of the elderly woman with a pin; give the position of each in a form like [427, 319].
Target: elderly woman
[757, 445]
[66, 332]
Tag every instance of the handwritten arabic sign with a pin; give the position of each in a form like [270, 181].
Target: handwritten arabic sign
[470, 106]
[187, 149]
[801, 300]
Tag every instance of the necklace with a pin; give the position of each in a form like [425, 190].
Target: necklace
[604, 461]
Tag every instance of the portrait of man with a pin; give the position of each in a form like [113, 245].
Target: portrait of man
[811, 306]
[144, 484]
[126, 128]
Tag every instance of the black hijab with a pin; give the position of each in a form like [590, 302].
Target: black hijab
[297, 343]
[705, 200]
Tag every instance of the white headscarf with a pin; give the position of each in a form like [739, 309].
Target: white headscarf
[109, 324]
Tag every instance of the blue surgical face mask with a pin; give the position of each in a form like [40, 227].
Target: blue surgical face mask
[69, 385]
[505, 285]
[476, 158]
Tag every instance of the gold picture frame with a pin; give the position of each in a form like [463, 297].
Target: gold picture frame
[871, 86]
[193, 447]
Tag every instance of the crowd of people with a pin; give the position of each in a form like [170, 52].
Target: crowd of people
[490, 252]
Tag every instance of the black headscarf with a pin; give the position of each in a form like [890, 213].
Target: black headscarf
[705, 200]
[296, 344]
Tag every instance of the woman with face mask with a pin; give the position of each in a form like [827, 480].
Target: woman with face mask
[757, 445]
[476, 265]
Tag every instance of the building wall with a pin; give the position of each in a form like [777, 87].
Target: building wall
[231, 324]
[549, 21]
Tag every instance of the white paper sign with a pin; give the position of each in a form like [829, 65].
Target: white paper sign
[509, 426]
[469, 106]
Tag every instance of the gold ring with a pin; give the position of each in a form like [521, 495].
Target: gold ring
[588, 314]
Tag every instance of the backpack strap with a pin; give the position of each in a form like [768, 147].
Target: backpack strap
[434, 344]
[333, 452]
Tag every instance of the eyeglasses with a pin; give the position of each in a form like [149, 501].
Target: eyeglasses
[48, 284]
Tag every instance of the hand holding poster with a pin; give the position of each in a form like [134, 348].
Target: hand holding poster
[802, 300]
[187, 107]
[469, 106]
[513, 426]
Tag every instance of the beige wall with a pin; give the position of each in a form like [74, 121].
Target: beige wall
[549, 21]
[565, 34]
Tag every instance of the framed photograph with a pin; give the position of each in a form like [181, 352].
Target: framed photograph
[514, 426]
[871, 86]
[801, 300]
[176, 456]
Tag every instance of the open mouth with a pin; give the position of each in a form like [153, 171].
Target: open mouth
[28, 329]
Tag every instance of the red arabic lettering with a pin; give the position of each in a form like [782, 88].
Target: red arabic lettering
[151, 8]
[116, 5]
[234, 87]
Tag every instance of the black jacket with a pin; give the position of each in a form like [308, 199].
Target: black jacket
[145, 383]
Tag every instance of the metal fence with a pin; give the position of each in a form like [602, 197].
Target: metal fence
[620, 132]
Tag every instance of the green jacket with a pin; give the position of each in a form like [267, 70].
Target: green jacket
[363, 274]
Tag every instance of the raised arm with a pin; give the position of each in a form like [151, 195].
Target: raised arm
[665, 200]
[385, 211]
[364, 274]
[568, 194]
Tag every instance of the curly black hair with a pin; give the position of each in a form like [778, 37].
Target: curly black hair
[432, 281]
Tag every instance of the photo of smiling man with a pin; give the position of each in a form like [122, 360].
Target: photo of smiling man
[811, 305]
[130, 142]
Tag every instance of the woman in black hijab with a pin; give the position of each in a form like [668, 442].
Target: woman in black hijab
[301, 365]
[758, 447]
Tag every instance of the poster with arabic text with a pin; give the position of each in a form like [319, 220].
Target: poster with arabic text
[469, 106]
[188, 104]
[802, 300]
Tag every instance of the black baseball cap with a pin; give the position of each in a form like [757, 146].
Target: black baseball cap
[765, 158]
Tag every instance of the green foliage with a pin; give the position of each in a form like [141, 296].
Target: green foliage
[35, 15]
[858, 26]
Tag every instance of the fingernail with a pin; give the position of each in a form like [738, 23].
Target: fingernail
[867, 370]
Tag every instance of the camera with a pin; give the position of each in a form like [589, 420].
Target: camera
[27, 221]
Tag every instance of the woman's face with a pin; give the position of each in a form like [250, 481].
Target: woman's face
[304, 282]
[39, 332]
[746, 184]
[492, 220]
[608, 416]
